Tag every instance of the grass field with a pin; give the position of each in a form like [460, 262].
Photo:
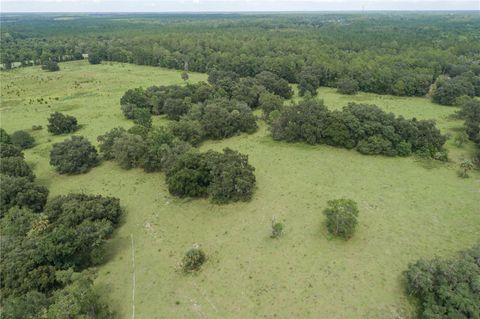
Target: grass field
[409, 209]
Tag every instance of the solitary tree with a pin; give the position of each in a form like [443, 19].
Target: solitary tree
[73, 156]
[185, 76]
[61, 123]
[341, 217]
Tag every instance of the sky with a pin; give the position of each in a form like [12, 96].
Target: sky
[231, 5]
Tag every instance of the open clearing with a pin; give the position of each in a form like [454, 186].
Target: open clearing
[409, 209]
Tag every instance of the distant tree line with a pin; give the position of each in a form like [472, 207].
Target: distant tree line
[366, 128]
[399, 54]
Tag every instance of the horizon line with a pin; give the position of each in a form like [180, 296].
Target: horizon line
[255, 11]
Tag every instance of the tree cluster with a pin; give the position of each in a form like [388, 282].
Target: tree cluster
[364, 127]
[226, 177]
[47, 247]
[200, 111]
[46, 256]
[153, 150]
[447, 288]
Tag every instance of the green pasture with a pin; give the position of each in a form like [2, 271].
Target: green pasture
[409, 209]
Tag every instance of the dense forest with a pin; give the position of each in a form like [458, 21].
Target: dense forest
[383, 53]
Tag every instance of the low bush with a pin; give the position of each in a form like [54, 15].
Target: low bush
[277, 229]
[193, 259]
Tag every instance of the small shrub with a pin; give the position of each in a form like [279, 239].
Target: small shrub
[441, 156]
[62, 124]
[461, 139]
[22, 139]
[465, 166]
[341, 217]
[193, 259]
[277, 229]
[37, 127]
